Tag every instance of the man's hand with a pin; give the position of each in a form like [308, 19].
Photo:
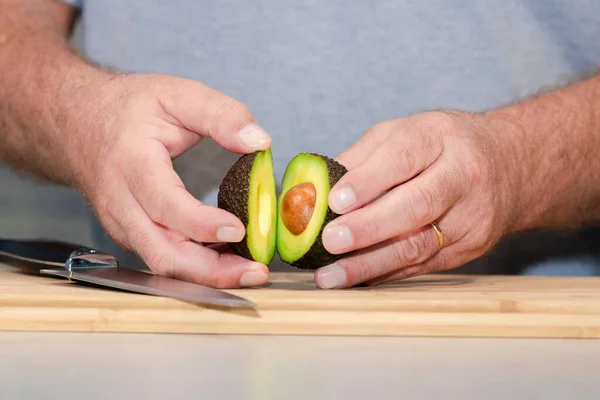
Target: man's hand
[454, 168]
[113, 137]
[533, 164]
[123, 136]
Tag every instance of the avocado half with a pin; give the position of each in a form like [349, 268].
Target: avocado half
[249, 192]
[305, 250]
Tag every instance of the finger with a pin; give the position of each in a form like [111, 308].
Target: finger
[380, 259]
[205, 111]
[354, 155]
[221, 248]
[404, 209]
[221, 270]
[166, 255]
[393, 162]
[117, 234]
[445, 259]
[173, 235]
[161, 193]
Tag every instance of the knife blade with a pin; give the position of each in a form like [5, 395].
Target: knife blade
[84, 264]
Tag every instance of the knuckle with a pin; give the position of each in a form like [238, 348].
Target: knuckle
[420, 206]
[157, 206]
[227, 108]
[371, 230]
[401, 158]
[111, 208]
[160, 263]
[158, 82]
[439, 263]
[440, 121]
[381, 131]
[217, 280]
[139, 96]
[484, 239]
[155, 86]
[196, 223]
[213, 277]
[442, 263]
[474, 170]
[433, 127]
[410, 250]
[142, 86]
[382, 126]
[359, 270]
[445, 188]
[480, 238]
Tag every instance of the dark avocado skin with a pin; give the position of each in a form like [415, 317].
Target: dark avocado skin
[233, 197]
[317, 256]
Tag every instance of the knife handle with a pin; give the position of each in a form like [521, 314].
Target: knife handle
[86, 258]
[33, 255]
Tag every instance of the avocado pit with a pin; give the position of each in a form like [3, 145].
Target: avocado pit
[297, 207]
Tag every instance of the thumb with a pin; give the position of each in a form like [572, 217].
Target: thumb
[210, 113]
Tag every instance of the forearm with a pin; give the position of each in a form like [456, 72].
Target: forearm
[40, 82]
[556, 147]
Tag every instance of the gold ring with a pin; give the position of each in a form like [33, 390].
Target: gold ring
[440, 235]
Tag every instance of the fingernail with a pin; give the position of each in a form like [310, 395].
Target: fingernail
[331, 277]
[254, 276]
[229, 234]
[254, 137]
[337, 238]
[341, 199]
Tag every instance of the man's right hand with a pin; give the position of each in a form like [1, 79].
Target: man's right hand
[127, 131]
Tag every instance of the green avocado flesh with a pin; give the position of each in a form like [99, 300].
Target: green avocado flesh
[249, 192]
[306, 250]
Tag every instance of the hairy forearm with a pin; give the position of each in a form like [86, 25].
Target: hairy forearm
[556, 147]
[41, 80]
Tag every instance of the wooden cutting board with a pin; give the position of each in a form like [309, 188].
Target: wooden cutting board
[436, 305]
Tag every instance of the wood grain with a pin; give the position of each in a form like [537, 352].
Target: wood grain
[436, 305]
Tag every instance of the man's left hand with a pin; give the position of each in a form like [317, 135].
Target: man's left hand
[458, 170]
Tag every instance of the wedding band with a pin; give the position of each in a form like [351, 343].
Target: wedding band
[440, 235]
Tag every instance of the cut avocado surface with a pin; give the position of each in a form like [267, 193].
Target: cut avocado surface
[249, 192]
[291, 223]
[305, 250]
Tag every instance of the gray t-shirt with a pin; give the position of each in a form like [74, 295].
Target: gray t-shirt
[317, 74]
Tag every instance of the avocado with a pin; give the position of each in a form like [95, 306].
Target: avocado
[307, 181]
[292, 223]
[249, 192]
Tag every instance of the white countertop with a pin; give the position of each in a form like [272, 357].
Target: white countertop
[111, 366]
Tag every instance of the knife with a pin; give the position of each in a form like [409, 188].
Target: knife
[84, 264]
